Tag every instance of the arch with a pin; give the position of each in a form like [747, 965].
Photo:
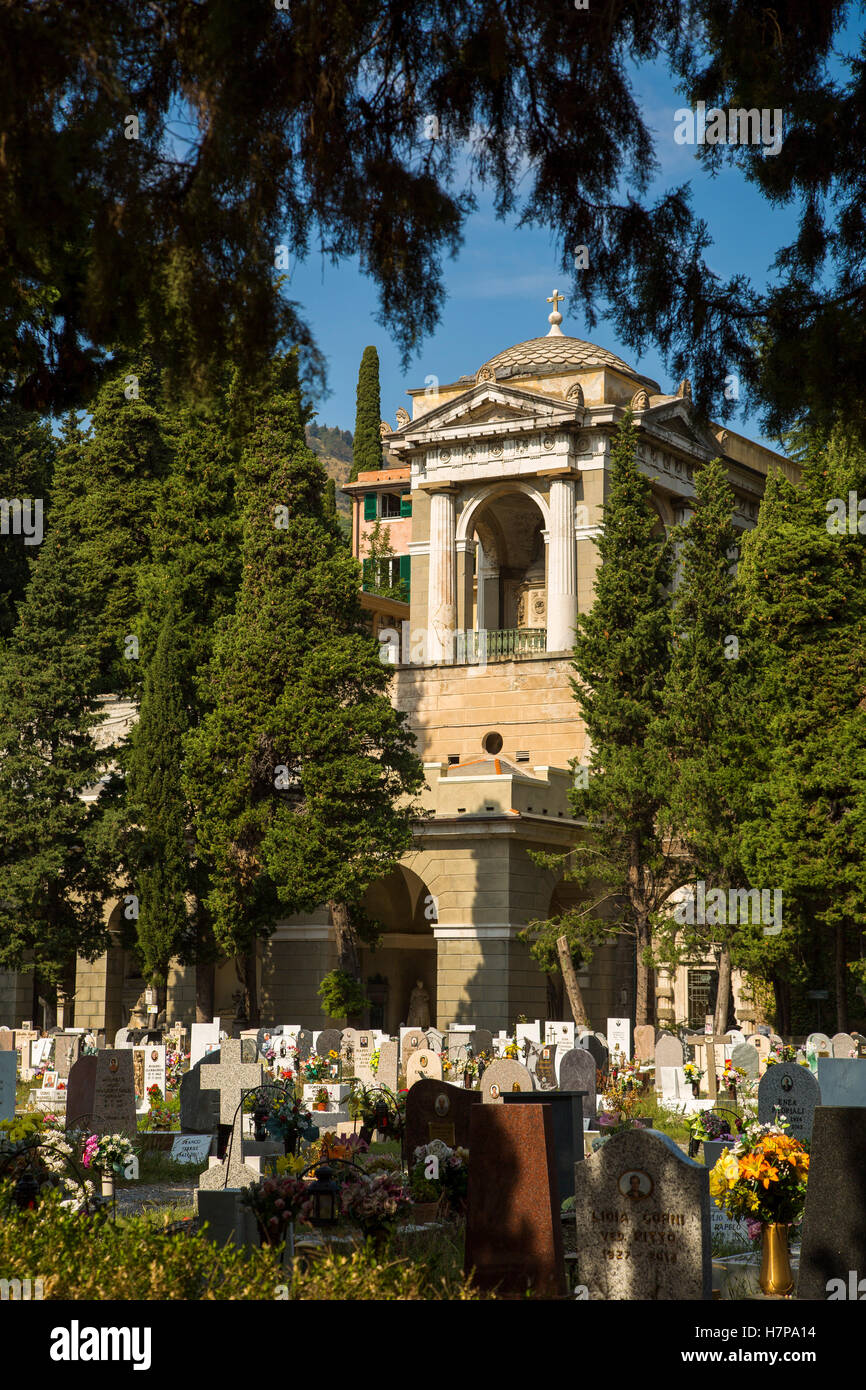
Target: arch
[486, 494]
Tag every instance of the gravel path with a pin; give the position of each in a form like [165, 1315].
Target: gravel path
[132, 1201]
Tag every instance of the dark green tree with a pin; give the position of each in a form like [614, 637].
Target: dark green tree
[27, 450]
[295, 771]
[706, 732]
[367, 442]
[244, 159]
[804, 579]
[56, 869]
[621, 655]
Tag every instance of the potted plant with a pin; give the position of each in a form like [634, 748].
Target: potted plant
[438, 1180]
[694, 1075]
[109, 1155]
[762, 1180]
[322, 1099]
[275, 1204]
[374, 1204]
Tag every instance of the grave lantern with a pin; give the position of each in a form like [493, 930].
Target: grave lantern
[325, 1193]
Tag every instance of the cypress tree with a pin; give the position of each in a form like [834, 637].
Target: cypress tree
[804, 577]
[704, 735]
[55, 865]
[367, 444]
[621, 656]
[295, 770]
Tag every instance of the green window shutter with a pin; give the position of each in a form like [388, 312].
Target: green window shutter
[370, 507]
[406, 576]
[366, 573]
[406, 505]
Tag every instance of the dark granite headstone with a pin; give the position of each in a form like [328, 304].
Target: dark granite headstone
[597, 1050]
[577, 1073]
[199, 1110]
[745, 1057]
[79, 1092]
[545, 1071]
[513, 1227]
[481, 1040]
[642, 1220]
[834, 1225]
[790, 1090]
[328, 1041]
[114, 1094]
[436, 1110]
[567, 1111]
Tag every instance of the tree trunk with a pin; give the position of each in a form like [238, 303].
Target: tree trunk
[348, 948]
[841, 980]
[251, 987]
[572, 985]
[723, 994]
[205, 985]
[642, 974]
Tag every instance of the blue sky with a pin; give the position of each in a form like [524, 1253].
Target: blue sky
[498, 284]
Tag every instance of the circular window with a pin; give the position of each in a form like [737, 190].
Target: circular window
[492, 743]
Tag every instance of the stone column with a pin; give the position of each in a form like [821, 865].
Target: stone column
[562, 567]
[442, 584]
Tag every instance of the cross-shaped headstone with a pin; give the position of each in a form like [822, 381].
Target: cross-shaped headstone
[709, 1042]
[231, 1077]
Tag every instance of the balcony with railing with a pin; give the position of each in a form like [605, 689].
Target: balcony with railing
[503, 644]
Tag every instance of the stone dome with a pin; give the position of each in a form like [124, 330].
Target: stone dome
[553, 353]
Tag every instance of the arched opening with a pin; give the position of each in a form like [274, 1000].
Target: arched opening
[509, 590]
[406, 954]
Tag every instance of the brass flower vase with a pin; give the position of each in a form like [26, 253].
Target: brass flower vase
[776, 1276]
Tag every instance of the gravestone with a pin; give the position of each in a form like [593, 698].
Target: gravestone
[481, 1040]
[388, 1064]
[231, 1077]
[645, 1042]
[123, 1038]
[545, 1070]
[820, 1044]
[762, 1046]
[361, 1054]
[328, 1041]
[671, 1081]
[79, 1092]
[598, 1052]
[304, 1043]
[566, 1107]
[842, 1082]
[619, 1038]
[423, 1064]
[513, 1228]
[843, 1045]
[528, 1032]
[113, 1094]
[411, 1040]
[191, 1148]
[723, 1228]
[8, 1066]
[67, 1050]
[199, 1107]
[560, 1034]
[504, 1075]
[148, 1067]
[577, 1073]
[437, 1110]
[7, 1039]
[834, 1226]
[435, 1039]
[736, 1036]
[790, 1090]
[746, 1058]
[204, 1038]
[23, 1038]
[642, 1213]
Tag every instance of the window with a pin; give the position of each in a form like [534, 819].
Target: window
[370, 507]
[390, 506]
[522, 755]
[406, 505]
[703, 988]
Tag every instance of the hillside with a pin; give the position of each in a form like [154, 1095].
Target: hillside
[334, 448]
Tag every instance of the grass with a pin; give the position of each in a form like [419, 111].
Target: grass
[156, 1166]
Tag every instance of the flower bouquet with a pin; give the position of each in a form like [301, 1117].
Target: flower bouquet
[374, 1204]
[694, 1075]
[440, 1175]
[287, 1120]
[275, 1203]
[762, 1180]
[108, 1153]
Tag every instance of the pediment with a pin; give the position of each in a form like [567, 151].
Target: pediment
[488, 404]
[675, 418]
